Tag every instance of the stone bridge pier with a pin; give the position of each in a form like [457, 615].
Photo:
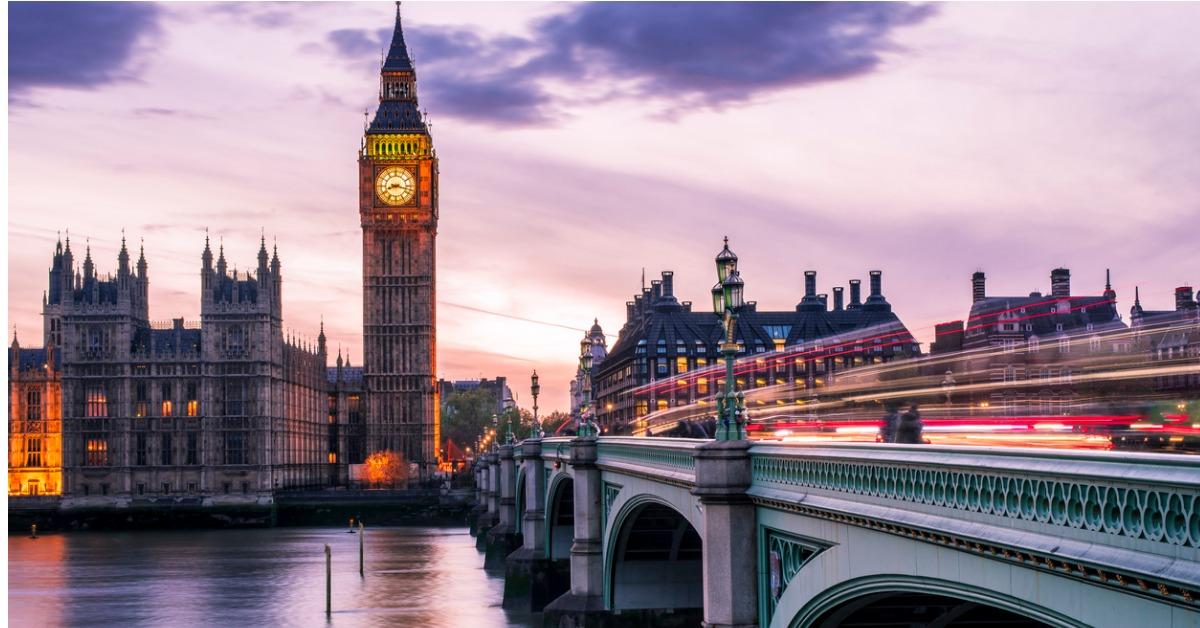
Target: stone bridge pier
[621, 531]
[504, 537]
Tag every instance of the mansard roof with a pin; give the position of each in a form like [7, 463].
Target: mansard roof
[1040, 312]
[754, 329]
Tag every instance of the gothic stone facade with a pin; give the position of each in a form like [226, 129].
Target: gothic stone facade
[228, 409]
[398, 209]
[225, 411]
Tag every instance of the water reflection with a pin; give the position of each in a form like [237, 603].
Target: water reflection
[275, 577]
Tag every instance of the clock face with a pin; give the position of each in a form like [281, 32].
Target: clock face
[395, 186]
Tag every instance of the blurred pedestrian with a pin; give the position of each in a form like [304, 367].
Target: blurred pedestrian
[891, 418]
[909, 430]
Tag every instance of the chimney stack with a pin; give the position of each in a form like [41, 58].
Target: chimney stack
[655, 291]
[876, 283]
[824, 298]
[837, 299]
[810, 283]
[855, 294]
[630, 311]
[978, 292]
[1183, 298]
[1060, 282]
[668, 283]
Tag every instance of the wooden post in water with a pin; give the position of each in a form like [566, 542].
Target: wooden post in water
[328, 582]
[361, 533]
[33, 531]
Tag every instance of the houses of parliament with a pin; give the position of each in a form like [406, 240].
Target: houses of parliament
[114, 408]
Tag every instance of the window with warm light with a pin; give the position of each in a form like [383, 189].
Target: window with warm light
[193, 399]
[681, 365]
[702, 385]
[97, 403]
[97, 451]
[662, 404]
[33, 452]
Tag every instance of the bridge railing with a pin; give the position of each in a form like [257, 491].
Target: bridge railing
[1150, 497]
[556, 448]
[669, 458]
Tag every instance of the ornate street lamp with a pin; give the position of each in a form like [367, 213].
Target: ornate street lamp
[495, 431]
[584, 427]
[534, 388]
[728, 300]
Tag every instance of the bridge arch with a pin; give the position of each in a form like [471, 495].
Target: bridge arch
[945, 603]
[652, 558]
[560, 516]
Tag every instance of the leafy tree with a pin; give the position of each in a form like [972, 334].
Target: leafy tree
[466, 415]
[551, 422]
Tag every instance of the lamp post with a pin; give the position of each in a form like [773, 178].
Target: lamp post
[536, 430]
[585, 427]
[495, 431]
[510, 415]
[727, 296]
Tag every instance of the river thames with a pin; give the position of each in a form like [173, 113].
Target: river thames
[260, 577]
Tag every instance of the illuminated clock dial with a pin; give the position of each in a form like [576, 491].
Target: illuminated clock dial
[395, 185]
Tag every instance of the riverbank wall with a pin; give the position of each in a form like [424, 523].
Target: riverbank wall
[335, 507]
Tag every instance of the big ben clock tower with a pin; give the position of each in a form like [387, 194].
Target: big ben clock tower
[397, 181]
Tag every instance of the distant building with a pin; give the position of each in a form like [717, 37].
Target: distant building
[1029, 348]
[1170, 337]
[599, 345]
[664, 340]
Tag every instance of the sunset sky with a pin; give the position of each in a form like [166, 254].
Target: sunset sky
[582, 143]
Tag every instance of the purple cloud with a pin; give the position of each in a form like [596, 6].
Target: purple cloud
[704, 54]
[720, 51]
[74, 45]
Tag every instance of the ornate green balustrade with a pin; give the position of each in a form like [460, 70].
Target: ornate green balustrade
[1151, 497]
[556, 448]
[674, 455]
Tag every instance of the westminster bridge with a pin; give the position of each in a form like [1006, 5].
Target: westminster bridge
[653, 531]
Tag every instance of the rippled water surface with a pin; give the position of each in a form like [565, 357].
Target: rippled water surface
[273, 577]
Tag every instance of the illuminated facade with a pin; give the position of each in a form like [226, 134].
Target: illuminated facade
[398, 208]
[34, 421]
